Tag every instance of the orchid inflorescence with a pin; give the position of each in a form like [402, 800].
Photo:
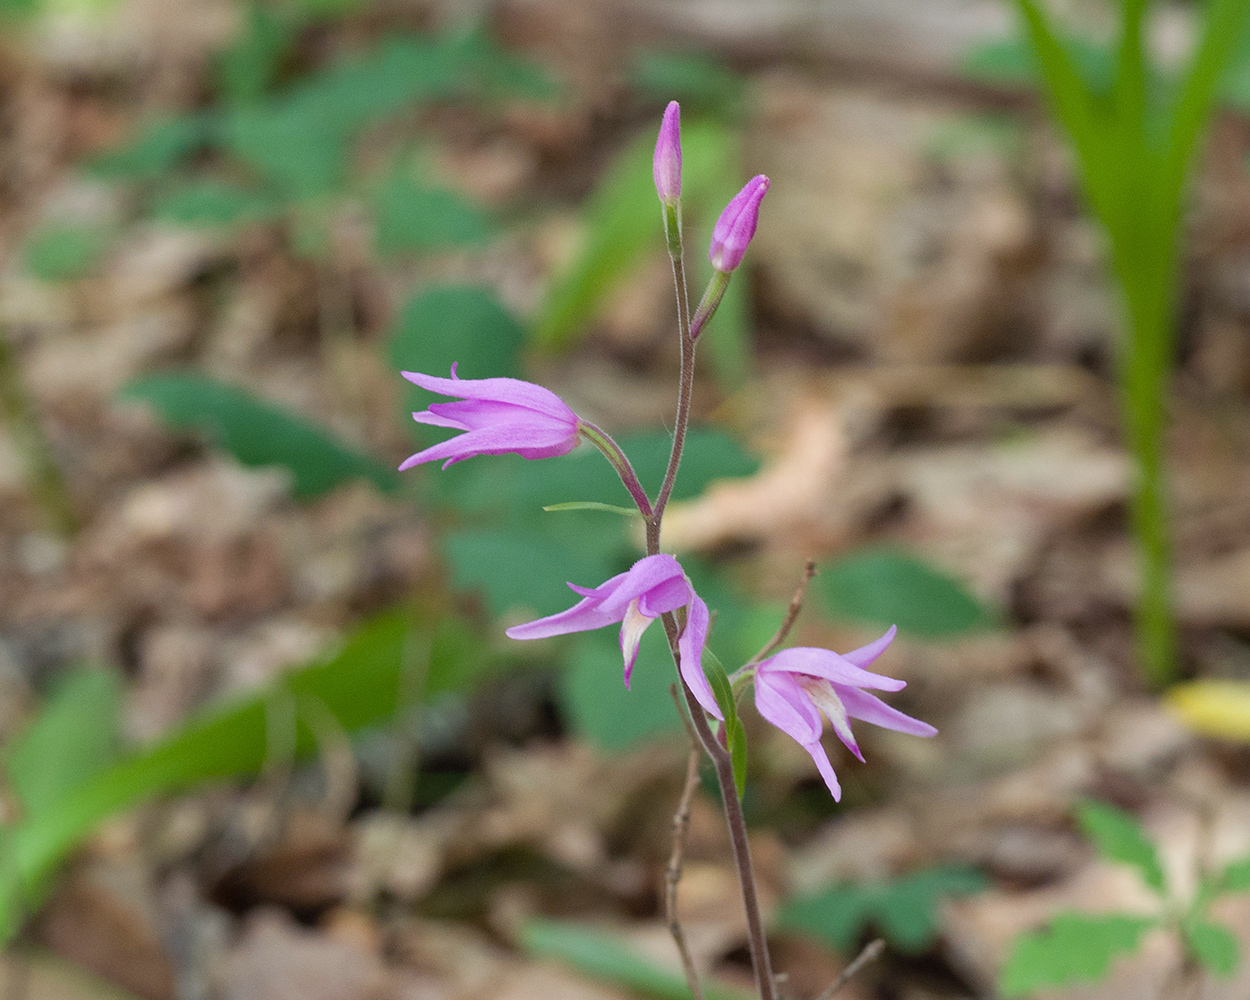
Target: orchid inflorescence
[795, 687]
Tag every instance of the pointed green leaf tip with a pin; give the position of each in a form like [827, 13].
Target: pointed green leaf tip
[610, 508]
[1118, 837]
[1074, 948]
[1214, 946]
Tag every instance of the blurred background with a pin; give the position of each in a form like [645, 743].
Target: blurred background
[263, 735]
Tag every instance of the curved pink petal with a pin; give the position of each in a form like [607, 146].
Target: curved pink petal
[583, 616]
[783, 703]
[667, 595]
[690, 646]
[528, 441]
[499, 390]
[825, 768]
[646, 574]
[439, 420]
[870, 708]
[816, 662]
[864, 656]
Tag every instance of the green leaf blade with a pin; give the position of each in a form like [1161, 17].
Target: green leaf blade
[905, 910]
[1118, 837]
[74, 737]
[412, 218]
[1214, 946]
[885, 587]
[1074, 948]
[601, 956]
[257, 433]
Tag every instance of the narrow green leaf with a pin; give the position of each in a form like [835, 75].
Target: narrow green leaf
[74, 737]
[259, 433]
[722, 690]
[593, 505]
[736, 737]
[602, 956]
[1075, 948]
[1117, 836]
[1222, 33]
[411, 218]
[884, 587]
[359, 685]
[1214, 946]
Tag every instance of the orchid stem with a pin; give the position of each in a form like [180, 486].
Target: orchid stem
[684, 393]
[720, 756]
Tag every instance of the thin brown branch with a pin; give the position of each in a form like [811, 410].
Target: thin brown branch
[672, 874]
[873, 950]
[792, 614]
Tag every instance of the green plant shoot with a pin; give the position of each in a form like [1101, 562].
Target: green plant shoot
[1135, 142]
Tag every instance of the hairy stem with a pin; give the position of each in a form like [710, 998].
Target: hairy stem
[613, 453]
[684, 392]
[721, 759]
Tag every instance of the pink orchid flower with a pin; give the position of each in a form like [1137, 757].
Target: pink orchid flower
[736, 226]
[794, 687]
[498, 415]
[666, 164]
[636, 598]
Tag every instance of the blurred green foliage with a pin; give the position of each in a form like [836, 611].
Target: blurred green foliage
[259, 434]
[68, 778]
[1081, 947]
[903, 910]
[1136, 129]
[887, 587]
[603, 956]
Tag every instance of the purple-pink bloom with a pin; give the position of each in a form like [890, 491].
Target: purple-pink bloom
[794, 687]
[736, 225]
[666, 167]
[498, 415]
[636, 598]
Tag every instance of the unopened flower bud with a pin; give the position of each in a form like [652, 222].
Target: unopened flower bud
[736, 225]
[666, 167]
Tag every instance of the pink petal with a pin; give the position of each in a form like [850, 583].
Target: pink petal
[785, 705]
[528, 441]
[499, 390]
[826, 663]
[583, 616]
[646, 574]
[825, 768]
[870, 708]
[736, 225]
[666, 164]
[864, 656]
[690, 646]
